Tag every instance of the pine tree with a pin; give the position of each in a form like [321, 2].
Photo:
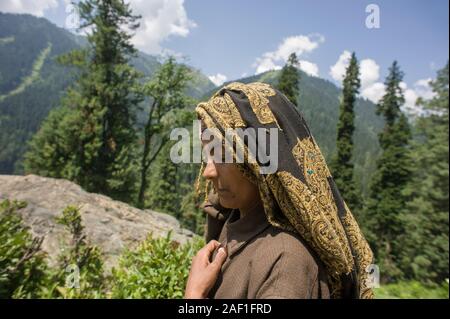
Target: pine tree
[290, 79]
[425, 254]
[167, 92]
[49, 151]
[392, 175]
[164, 190]
[342, 164]
[100, 156]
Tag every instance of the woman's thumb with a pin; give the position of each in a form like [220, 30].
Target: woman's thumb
[220, 257]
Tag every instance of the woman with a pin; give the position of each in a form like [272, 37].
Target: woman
[286, 234]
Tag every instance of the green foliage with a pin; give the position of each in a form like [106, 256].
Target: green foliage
[22, 265]
[425, 254]
[166, 89]
[49, 150]
[342, 164]
[21, 114]
[79, 273]
[288, 82]
[412, 290]
[383, 218]
[192, 216]
[157, 268]
[101, 155]
[164, 194]
[36, 41]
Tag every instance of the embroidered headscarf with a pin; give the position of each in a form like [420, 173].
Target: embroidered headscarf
[301, 196]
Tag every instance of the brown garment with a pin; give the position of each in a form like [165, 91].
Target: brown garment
[266, 262]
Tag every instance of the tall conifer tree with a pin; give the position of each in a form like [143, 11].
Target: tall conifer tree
[342, 163]
[289, 79]
[393, 172]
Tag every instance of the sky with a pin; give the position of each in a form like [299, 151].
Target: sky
[230, 39]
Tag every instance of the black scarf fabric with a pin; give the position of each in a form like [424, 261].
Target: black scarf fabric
[301, 195]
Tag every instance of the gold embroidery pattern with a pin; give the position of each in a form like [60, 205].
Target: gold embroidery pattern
[257, 94]
[223, 109]
[363, 253]
[316, 173]
[309, 217]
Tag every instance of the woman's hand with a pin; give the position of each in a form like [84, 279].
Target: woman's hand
[203, 274]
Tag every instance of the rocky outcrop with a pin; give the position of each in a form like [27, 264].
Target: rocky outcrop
[109, 224]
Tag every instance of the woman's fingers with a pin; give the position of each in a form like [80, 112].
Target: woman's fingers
[208, 249]
[203, 274]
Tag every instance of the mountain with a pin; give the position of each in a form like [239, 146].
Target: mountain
[109, 224]
[32, 82]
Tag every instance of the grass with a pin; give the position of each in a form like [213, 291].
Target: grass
[412, 290]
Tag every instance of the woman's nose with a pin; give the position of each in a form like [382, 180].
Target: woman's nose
[210, 171]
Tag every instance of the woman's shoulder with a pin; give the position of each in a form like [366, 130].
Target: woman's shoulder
[292, 269]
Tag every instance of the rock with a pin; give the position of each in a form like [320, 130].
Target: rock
[109, 224]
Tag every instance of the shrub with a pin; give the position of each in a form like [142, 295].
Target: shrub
[157, 268]
[80, 273]
[412, 290]
[22, 265]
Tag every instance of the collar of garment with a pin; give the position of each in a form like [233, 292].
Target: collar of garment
[239, 231]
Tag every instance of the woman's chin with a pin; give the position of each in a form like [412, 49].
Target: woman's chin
[226, 202]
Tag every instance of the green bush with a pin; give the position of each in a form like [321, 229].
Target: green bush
[80, 271]
[22, 266]
[412, 290]
[157, 268]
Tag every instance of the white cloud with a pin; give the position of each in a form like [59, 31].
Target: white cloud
[373, 92]
[369, 72]
[309, 67]
[218, 79]
[422, 89]
[265, 64]
[160, 20]
[35, 7]
[368, 68]
[337, 71]
[299, 44]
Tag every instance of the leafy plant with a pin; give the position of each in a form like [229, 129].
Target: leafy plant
[22, 265]
[412, 290]
[157, 268]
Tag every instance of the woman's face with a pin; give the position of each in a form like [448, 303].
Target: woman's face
[234, 190]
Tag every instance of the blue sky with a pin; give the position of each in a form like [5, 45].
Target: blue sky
[232, 34]
[227, 39]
